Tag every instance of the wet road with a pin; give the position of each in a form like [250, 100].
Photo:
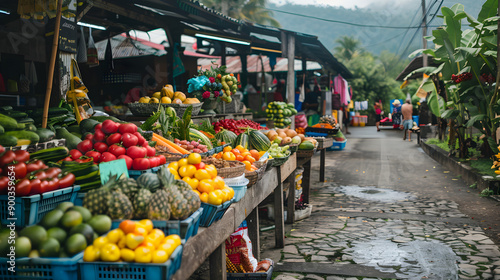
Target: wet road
[388, 211]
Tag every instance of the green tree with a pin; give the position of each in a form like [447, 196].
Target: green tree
[250, 10]
[348, 48]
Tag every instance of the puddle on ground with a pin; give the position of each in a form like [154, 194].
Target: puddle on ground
[412, 260]
[374, 194]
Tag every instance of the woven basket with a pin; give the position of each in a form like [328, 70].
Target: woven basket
[293, 147]
[148, 109]
[231, 172]
[255, 176]
[305, 153]
[280, 161]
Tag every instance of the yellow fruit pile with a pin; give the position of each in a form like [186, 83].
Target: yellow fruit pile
[133, 242]
[202, 178]
[240, 153]
[168, 96]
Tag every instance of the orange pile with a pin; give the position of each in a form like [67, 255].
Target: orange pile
[240, 153]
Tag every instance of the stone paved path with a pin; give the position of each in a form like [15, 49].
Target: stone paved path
[376, 232]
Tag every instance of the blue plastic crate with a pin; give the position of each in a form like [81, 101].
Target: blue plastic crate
[316, 134]
[41, 268]
[29, 210]
[185, 229]
[338, 145]
[136, 173]
[129, 271]
[239, 192]
[221, 148]
[252, 276]
[79, 198]
[213, 213]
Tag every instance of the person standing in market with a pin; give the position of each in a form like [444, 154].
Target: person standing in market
[135, 93]
[345, 118]
[407, 110]
[378, 114]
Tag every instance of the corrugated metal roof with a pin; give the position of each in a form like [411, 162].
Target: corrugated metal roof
[254, 64]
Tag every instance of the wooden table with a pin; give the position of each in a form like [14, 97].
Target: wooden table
[210, 241]
[323, 145]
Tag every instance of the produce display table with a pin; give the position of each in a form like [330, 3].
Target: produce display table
[304, 160]
[210, 241]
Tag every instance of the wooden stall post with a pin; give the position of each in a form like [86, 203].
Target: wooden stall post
[278, 213]
[291, 198]
[50, 75]
[290, 78]
[322, 165]
[218, 263]
[306, 181]
[254, 232]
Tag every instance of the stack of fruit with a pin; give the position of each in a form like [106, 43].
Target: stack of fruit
[31, 176]
[168, 96]
[133, 242]
[236, 126]
[240, 153]
[291, 137]
[277, 151]
[280, 113]
[328, 120]
[62, 232]
[153, 196]
[111, 141]
[191, 146]
[202, 178]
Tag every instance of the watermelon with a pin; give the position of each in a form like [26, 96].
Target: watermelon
[203, 139]
[259, 141]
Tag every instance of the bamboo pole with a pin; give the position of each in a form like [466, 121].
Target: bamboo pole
[50, 76]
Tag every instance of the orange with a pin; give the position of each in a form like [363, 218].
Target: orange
[241, 148]
[219, 183]
[147, 224]
[186, 179]
[235, 152]
[204, 197]
[227, 194]
[228, 156]
[193, 183]
[255, 154]
[218, 155]
[253, 168]
[211, 170]
[139, 230]
[127, 226]
[244, 154]
[231, 192]
[174, 165]
[250, 159]
[148, 244]
[206, 185]
[202, 174]
[239, 158]
[227, 149]
[247, 165]
[187, 171]
[194, 158]
[214, 199]
[197, 192]
[261, 153]
[176, 238]
[182, 162]
[167, 247]
[173, 171]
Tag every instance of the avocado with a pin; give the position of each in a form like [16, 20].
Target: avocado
[36, 234]
[34, 254]
[75, 244]
[70, 219]
[49, 248]
[86, 215]
[57, 233]
[52, 218]
[63, 206]
[100, 223]
[22, 247]
[4, 244]
[84, 229]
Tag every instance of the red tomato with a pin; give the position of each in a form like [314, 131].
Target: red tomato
[67, 159]
[2, 149]
[154, 162]
[23, 187]
[140, 164]
[145, 144]
[101, 147]
[22, 155]
[4, 184]
[53, 172]
[84, 159]
[94, 154]
[107, 156]
[136, 152]
[67, 180]
[7, 158]
[127, 127]
[200, 165]
[53, 184]
[140, 138]
[99, 136]
[98, 127]
[162, 158]
[129, 140]
[117, 150]
[85, 146]
[128, 160]
[41, 175]
[150, 151]
[109, 126]
[114, 139]
[75, 154]
[36, 186]
[89, 136]
[44, 186]
[34, 165]
[18, 170]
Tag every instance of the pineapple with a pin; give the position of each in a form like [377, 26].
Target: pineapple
[128, 186]
[141, 202]
[96, 200]
[119, 206]
[159, 208]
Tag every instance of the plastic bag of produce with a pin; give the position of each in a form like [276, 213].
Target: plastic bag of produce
[239, 249]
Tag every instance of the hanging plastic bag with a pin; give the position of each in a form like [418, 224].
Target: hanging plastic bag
[24, 84]
[239, 249]
[92, 57]
[81, 55]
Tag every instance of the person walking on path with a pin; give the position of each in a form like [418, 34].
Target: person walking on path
[378, 114]
[407, 110]
[345, 118]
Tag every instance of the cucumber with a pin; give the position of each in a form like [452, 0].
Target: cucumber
[103, 118]
[26, 120]
[17, 114]
[7, 122]
[71, 140]
[52, 154]
[53, 111]
[21, 126]
[8, 140]
[73, 128]
[23, 134]
[30, 127]
[45, 134]
[2, 130]
[87, 125]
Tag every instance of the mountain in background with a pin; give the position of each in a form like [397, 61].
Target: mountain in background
[402, 13]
